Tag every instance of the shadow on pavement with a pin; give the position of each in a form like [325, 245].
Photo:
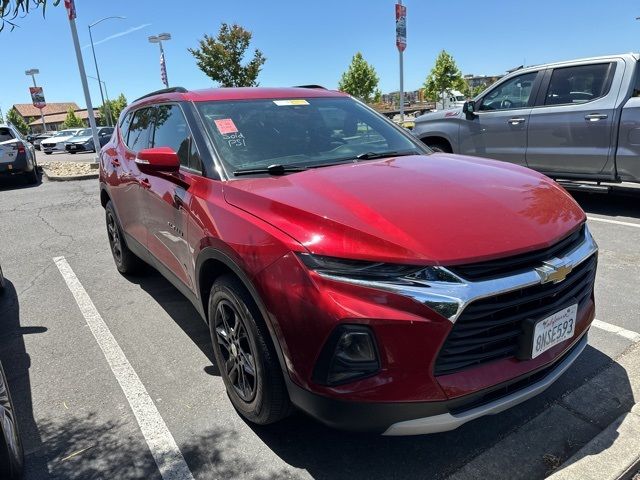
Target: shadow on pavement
[17, 182]
[612, 204]
[179, 309]
[16, 362]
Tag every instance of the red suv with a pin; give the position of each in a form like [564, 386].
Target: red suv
[343, 268]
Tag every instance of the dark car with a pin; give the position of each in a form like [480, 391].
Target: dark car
[83, 140]
[11, 456]
[344, 268]
[36, 139]
[17, 156]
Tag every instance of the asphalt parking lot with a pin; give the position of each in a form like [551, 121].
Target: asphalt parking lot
[77, 422]
[43, 158]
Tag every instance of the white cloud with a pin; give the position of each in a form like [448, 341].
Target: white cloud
[120, 34]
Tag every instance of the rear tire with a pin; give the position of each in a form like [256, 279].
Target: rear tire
[245, 356]
[33, 176]
[439, 147]
[126, 261]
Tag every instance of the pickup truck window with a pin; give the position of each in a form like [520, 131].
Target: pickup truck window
[579, 84]
[511, 94]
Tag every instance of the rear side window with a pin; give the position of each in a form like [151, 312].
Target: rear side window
[140, 129]
[579, 84]
[173, 131]
[5, 134]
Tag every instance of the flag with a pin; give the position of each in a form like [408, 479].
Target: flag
[163, 70]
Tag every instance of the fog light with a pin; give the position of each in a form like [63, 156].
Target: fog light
[349, 354]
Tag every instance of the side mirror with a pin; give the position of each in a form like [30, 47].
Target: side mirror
[469, 108]
[161, 159]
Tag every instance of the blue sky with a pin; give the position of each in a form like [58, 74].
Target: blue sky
[306, 41]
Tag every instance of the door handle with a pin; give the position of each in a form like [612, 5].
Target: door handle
[516, 120]
[145, 183]
[594, 117]
[115, 162]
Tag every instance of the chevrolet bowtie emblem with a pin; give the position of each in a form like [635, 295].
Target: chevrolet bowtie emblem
[553, 270]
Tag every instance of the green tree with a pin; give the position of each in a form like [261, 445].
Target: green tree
[12, 9]
[360, 80]
[473, 92]
[444, 77]
[72, 121]
[221, 58]
[17, 121]
[116, 106]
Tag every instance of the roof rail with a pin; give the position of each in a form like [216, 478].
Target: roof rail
[164, 90]
[310, 86]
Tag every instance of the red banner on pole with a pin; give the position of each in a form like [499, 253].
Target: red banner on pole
[401, 27]
[37, 97]
[70, 5]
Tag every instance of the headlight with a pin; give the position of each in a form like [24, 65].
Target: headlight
[364, 270]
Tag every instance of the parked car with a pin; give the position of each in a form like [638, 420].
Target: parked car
[11, 456]
[572, 120]
[58, 142]
[17, 156]
[39, 137]
[83, 140]
[342, 267]
[11, 453]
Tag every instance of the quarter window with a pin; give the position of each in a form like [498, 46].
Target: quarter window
[140, 129]
[580, 84]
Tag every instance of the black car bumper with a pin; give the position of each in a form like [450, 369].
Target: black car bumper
[79, 147]
[18, 166]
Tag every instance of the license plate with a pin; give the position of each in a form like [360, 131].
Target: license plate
[554, 329]
[72, 147]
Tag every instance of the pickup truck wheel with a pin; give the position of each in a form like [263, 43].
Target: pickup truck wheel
[244, 354]
[438, 147]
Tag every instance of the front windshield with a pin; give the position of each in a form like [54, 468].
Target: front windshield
[311, 132]
[460, 98]
[83, 133]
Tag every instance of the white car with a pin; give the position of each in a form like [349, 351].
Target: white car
[58, 142]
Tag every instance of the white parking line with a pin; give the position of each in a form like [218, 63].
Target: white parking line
[163, 447]
[615, 222]
[628, 334]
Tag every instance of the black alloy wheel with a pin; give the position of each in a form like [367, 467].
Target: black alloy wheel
[236, 349]
[244, 353]
[126, 261]
[11, 454]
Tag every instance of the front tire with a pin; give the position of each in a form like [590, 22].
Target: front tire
[245, 356]
[126, 261]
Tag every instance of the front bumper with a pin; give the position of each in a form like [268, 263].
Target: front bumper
[417, 418]
[79, 147]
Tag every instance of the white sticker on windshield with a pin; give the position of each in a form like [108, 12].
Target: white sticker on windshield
[285, 103]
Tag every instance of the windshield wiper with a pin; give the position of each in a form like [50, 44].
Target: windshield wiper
[374, 155]
[276, 169]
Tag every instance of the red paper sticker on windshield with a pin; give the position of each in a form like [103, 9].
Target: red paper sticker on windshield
[226, 126]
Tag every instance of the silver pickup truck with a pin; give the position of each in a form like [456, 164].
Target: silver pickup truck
[572, 120]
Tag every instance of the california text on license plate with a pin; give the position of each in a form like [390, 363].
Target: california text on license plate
[554, 329]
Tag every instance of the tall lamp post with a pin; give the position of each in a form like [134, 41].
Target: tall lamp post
[33, 72]
[108, 109]
[163, 67]
[106, 94]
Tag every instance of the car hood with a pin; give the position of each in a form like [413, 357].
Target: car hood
[439, 114]
[56, 139]
[83, 139]
[433, 209]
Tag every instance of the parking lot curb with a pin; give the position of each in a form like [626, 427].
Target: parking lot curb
[66, 178]
[614, 453]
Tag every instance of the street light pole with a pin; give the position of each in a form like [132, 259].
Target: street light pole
[32, 72]
[95, 61]
[158, 39]
[104, 84]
